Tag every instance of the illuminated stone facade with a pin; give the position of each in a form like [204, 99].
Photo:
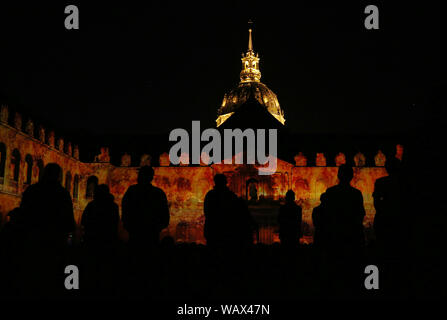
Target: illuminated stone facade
[23, 157]
[23, 154]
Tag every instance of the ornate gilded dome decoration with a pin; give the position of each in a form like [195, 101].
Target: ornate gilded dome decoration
[250, 86]
[250, 64]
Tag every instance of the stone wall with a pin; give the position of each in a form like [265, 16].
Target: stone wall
[19, 149]
[185, 186]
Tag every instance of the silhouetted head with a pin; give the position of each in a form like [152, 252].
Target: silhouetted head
[392, 166]
[290, 196]
[220, 181]
[101, 192]
[345, 173]
[52, 173]
[146, 174]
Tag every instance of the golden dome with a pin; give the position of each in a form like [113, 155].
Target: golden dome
[250, 86]
[242, 93]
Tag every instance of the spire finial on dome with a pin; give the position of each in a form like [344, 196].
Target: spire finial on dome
[250, 41]
[250, 62]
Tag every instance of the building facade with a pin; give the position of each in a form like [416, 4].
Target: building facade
[25, 150]
[23, 157]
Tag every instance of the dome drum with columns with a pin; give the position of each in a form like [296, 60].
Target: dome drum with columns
[250, 86]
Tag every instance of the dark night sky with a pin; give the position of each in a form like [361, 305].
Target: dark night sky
[134, 69]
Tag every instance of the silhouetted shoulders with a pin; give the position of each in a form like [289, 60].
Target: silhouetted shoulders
[357, 196]
[211, 193]
[208, 202]
[131, 189]
[145, 212]
[340, 188]
[48, 206]
[357, 191]
[332, 190]
[29, 189]
[159, 192]
[331, 193]
[130, 192]
[382, 181]
[380, 185]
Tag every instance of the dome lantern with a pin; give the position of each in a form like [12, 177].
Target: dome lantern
[250, 87]
[250, 63]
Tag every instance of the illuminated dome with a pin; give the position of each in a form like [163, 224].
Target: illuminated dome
[239, 95]
[250, 86]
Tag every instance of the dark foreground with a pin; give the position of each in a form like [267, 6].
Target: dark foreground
[190, 272]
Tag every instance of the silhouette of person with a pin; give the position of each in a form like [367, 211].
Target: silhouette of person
[227, 219]
[289, 220]
[343, 211]
[100, 219]
[390, 195]
[145, 210]
[343, 205]
[46, 211]
[394, 203]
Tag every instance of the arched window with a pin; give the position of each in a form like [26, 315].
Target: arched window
[2, 161]
[15, 163]
[68, 181]
[76, 187]
[92, 182]
[40, 167]
[29, 168]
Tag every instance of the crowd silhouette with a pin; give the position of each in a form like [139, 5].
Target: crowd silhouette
[341, 213]
[228, 221]
[100, 219]
[289, 219]
[145, 210]
[40, 239]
